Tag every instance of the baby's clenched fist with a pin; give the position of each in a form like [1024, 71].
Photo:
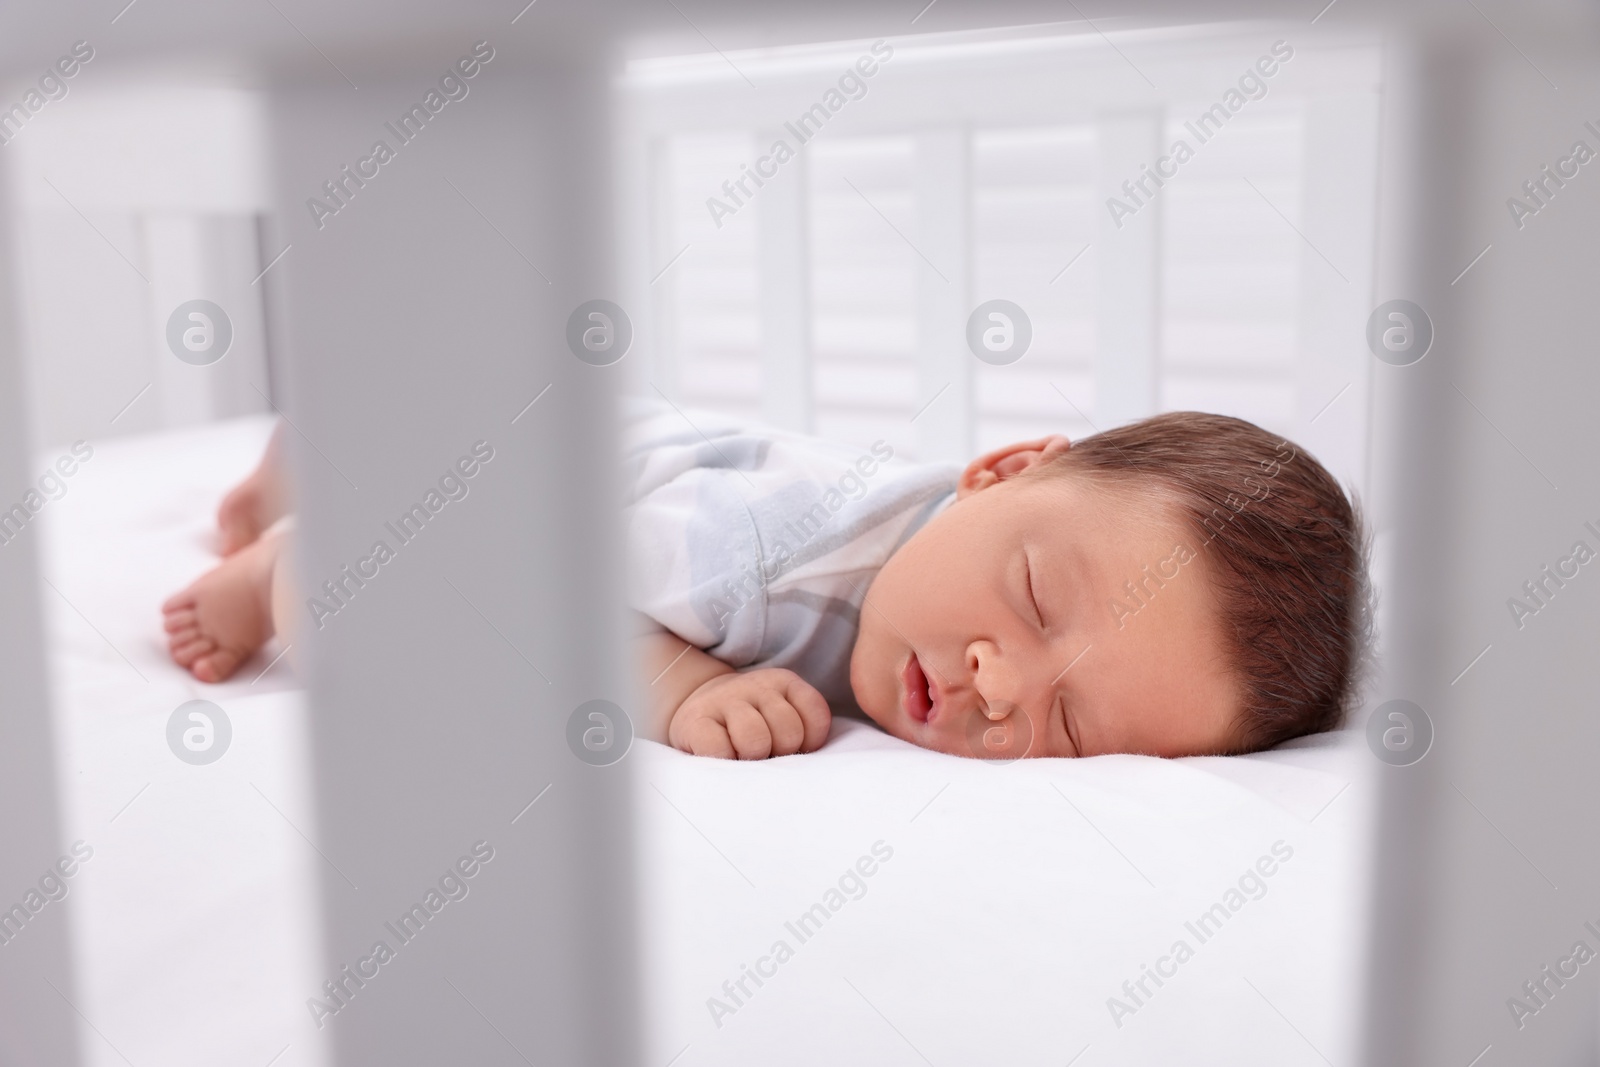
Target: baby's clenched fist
[751, 715]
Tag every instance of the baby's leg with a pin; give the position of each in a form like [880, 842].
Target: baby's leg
[227, 613]
[257, 502]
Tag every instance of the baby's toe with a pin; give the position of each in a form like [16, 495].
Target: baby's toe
[185, 652]
[181, 619]
[217, 665]
[180, 601]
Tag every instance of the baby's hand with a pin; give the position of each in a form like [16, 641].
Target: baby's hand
[751, 715]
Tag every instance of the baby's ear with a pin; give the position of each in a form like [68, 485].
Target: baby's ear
[1008, 462]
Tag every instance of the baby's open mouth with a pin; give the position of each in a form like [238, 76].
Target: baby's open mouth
[918, 700]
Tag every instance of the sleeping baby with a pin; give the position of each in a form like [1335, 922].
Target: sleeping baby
[1184, 585]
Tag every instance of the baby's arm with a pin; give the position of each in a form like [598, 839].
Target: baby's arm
[703, 706]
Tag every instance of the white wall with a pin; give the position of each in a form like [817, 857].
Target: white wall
[127, 203]
[978, 166]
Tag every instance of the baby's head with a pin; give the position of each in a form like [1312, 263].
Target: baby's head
[1185, 585]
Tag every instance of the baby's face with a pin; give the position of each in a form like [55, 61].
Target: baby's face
[993, 631]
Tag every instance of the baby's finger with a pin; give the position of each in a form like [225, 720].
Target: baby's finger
[748, 730]
[784, 722]
[706, 736]
[814, 712]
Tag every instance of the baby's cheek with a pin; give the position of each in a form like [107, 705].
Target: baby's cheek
[868, 680]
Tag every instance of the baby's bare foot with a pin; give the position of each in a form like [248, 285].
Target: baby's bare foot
[255, 503]
[226, 614]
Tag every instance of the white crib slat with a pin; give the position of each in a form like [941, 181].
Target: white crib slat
[785, 301]
[944, 294]
[30, 1011]
[190, 256]
[1130, 273]
[661, 368]
[1334, 366]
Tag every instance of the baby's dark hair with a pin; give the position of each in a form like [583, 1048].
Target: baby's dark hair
[1287, 556]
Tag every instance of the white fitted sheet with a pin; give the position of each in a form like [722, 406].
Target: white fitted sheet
[1017, 901]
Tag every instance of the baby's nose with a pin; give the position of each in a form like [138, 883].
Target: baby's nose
[1001, 731]
[994, 679]
[996, 709]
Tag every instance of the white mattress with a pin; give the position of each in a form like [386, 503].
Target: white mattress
[1016, 901]
[194, 921]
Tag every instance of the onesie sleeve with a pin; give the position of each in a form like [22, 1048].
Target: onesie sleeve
[693, 552]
